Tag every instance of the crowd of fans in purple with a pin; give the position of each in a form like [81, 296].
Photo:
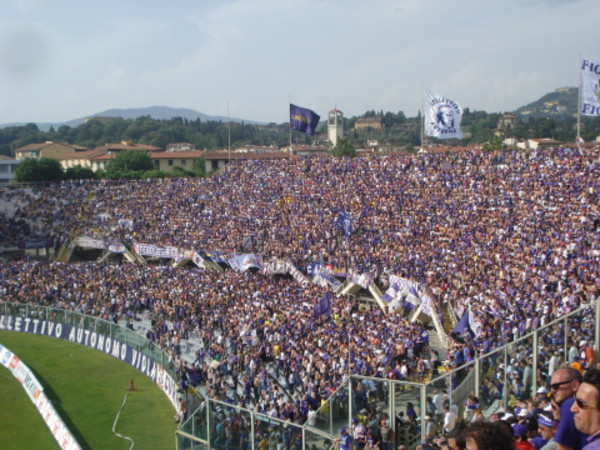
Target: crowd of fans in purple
[512, 235]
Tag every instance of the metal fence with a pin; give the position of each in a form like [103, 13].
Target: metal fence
[89, 323]
[490, 377]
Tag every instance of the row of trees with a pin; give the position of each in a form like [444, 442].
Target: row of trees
[398, 130]
[130, 164]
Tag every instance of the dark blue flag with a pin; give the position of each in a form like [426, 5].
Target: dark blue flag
[317, 310]
[303, 119]
[463, 324]
[326, 305]
[323, 307]
[344, 223]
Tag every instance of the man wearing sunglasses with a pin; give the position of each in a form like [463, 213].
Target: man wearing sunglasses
[586, 408]
[564, 383]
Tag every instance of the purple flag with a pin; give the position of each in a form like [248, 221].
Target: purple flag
[323, 307]
[303, 119]
[463, 324]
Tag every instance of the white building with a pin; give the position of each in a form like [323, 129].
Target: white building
[335, 126]
[8, 166]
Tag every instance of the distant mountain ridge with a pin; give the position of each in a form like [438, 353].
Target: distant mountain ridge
[558, 103]
[155, 112]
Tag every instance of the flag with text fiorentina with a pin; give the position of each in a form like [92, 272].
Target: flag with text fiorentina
[590, 88]
[442, 117]
[303, 119]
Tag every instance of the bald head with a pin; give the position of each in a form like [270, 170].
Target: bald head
[564, 383]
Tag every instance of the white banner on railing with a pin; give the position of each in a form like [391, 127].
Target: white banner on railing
[156, 251]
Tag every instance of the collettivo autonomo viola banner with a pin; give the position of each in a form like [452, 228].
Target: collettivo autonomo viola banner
[96, 341]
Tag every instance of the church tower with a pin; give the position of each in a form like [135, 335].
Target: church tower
[335, 126]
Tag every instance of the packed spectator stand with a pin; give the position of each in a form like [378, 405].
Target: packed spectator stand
[508, 238]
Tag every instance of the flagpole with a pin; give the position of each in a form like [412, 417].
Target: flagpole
[290, 102]
[578, 138]
[422, 117]
[228, 135]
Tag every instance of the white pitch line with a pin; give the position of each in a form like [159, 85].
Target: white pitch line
[117, 419]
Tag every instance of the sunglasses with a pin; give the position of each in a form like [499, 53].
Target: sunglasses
[556, 386]
[582, 405]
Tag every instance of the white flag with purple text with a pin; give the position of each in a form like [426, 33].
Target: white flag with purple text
[442, 117]
[590, 88]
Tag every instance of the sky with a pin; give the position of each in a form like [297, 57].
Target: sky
[62, 60]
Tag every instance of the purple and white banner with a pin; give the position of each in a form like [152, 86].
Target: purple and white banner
[155, 251]
[363, 280]
[245, 262]
[88, 242]
[402, 293]
[115, 247]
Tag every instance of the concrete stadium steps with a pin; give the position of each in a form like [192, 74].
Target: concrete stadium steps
[448, 321]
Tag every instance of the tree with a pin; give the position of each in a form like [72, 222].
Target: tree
[343, 148]
[79, 173]
[50, 170]
[27, 170]
[154, 173]
[127, 162]
[43, 169]
[495, 143]
[199, 166]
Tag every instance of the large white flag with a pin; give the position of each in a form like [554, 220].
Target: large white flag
[590, 88]
[442, 117]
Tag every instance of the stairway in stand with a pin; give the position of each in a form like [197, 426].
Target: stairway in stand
[447, 322]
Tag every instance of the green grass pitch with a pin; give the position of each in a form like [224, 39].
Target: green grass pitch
[87, 389]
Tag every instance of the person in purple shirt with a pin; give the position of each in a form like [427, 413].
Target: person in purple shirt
[586, 408]
[345, 440]
[564, 384]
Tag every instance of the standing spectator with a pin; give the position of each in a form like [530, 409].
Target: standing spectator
[387, 436]
[449, 420]
[588, 355]
[360, 435]
[438, 399]
[527, 379]
[430, 427]
[345, 440]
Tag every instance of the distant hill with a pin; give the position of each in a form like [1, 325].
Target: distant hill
[561, 102]
[155, 112]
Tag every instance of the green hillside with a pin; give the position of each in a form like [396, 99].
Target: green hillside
[557, 104]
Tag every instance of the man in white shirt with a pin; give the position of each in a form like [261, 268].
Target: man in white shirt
[449, 420]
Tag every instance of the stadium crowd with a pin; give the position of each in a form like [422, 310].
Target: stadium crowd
[243, 321]
[510, 237]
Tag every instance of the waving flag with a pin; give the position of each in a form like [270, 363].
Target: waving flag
[462, 325]
[442, 117]
[323, 307]
[245, 262]
[590, 88]
[344, 223]
[303, 119]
